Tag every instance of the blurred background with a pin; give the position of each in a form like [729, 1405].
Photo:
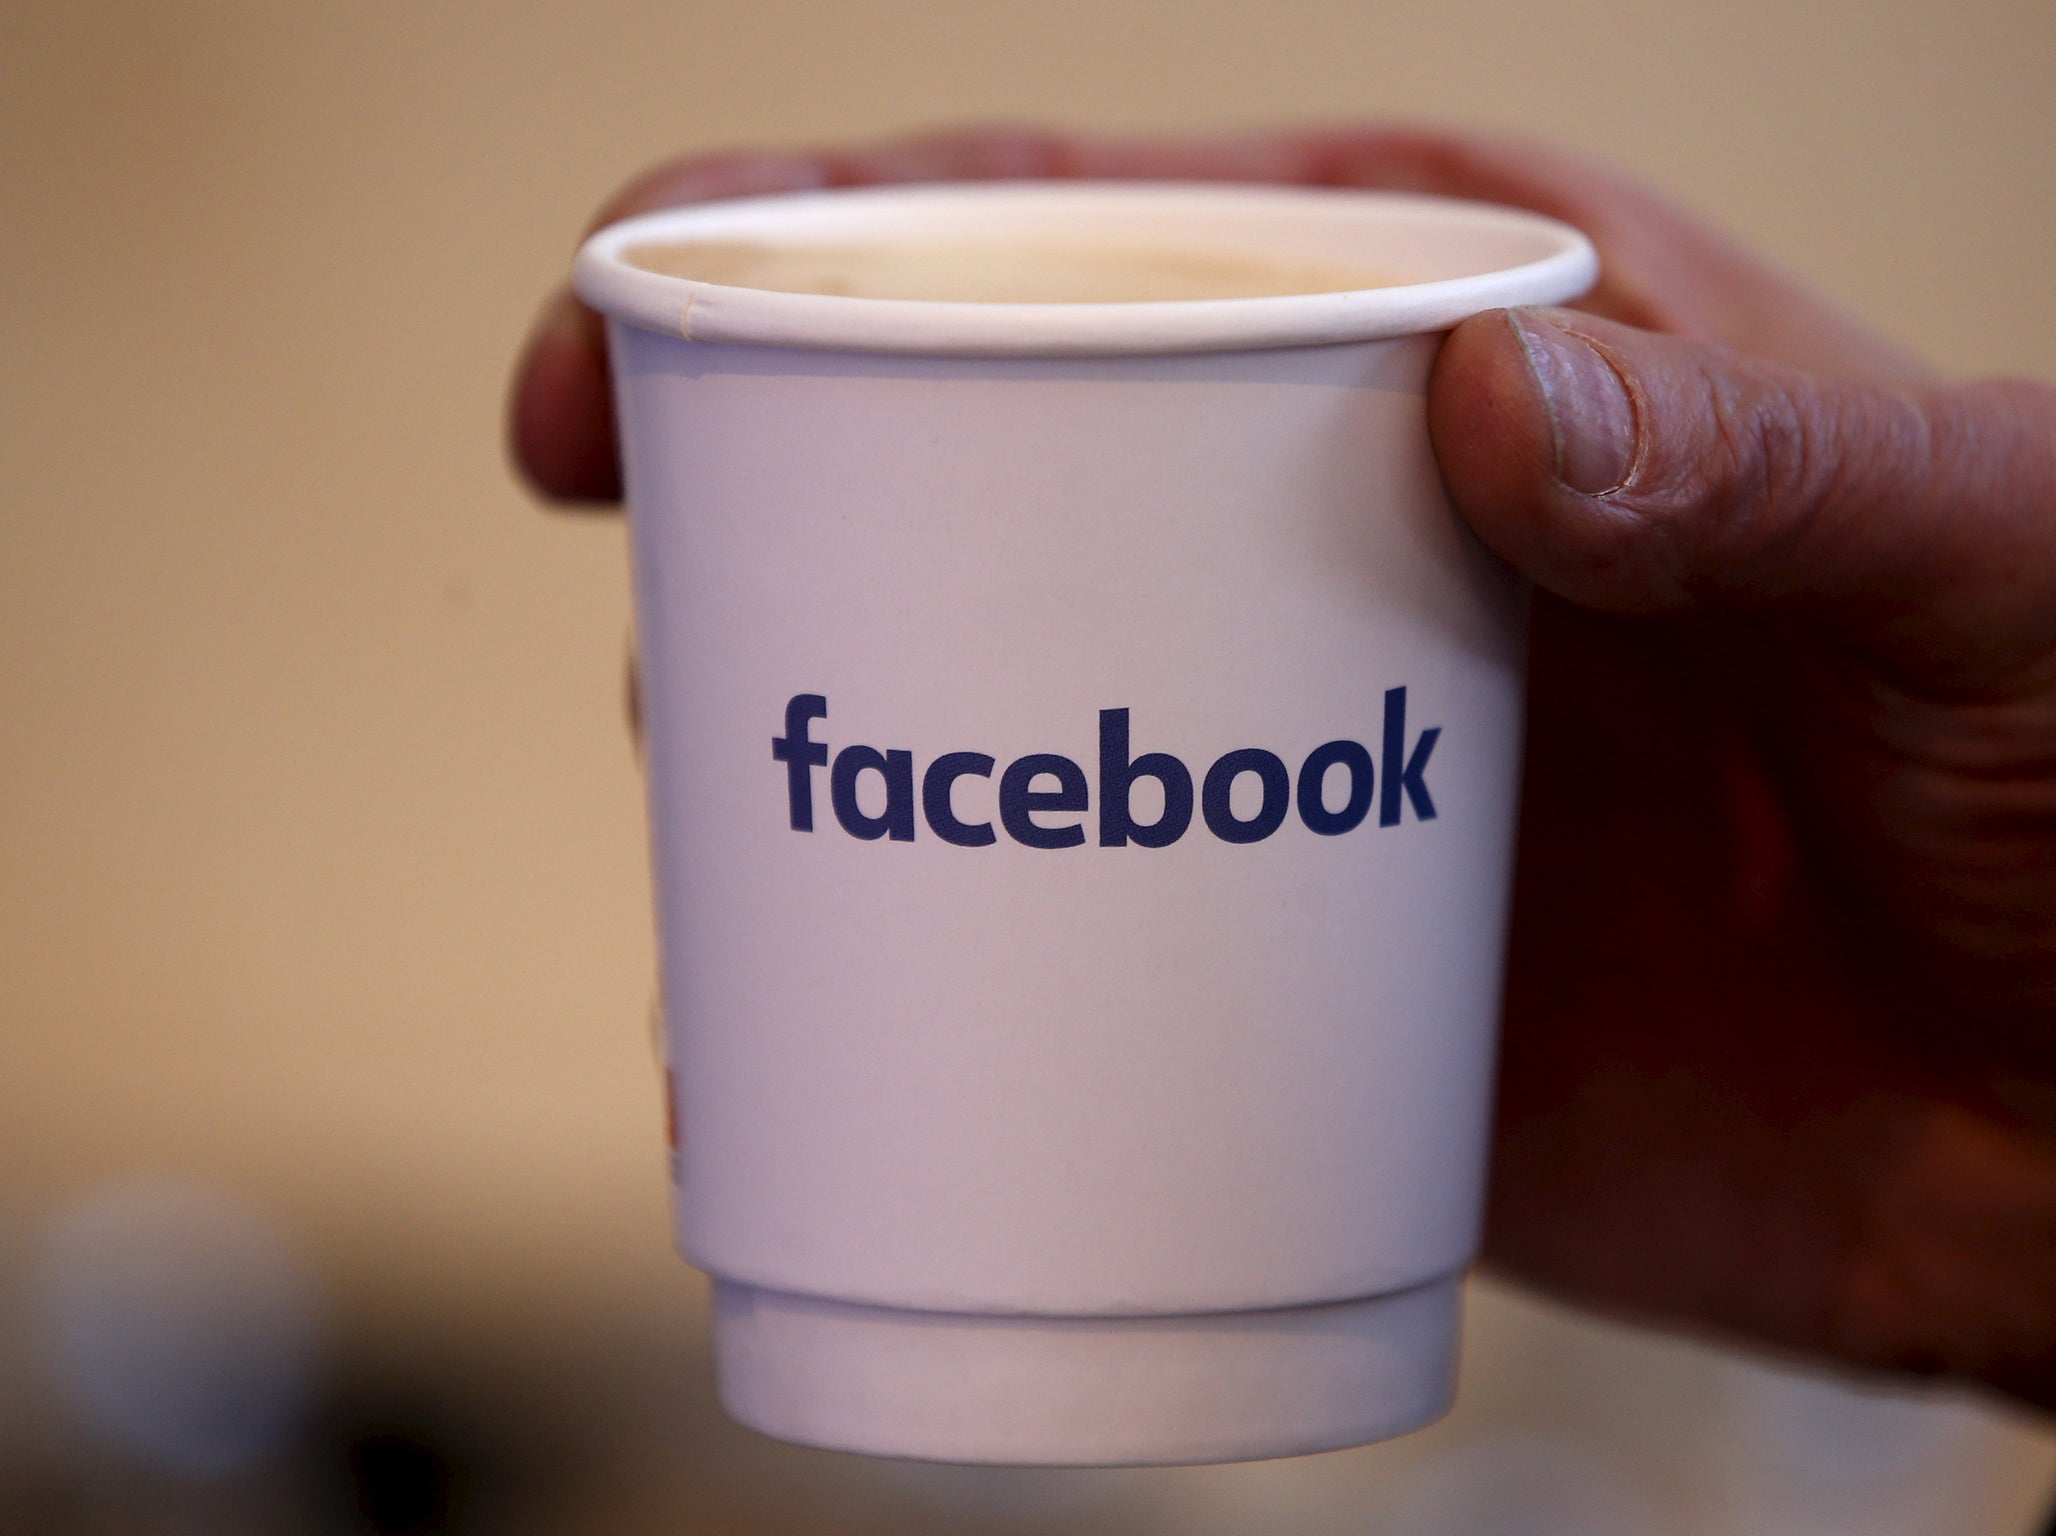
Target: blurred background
[331, 1168]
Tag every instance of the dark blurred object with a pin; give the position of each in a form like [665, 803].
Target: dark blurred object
[383, 1463]
[404, 1486]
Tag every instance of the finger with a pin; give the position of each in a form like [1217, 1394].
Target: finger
[703, 178]
[998, 154]
[1253, 157]
[561, 423]
[1637, 473]
[1652, 253]
[994, 153]
[561, 408]
[1661, 267]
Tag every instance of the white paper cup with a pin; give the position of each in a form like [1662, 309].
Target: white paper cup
[1013, 1128]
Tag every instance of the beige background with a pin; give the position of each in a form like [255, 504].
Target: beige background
[320, 850]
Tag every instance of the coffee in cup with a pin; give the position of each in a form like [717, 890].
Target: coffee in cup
[994, 272]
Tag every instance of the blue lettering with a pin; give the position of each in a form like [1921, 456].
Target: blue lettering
[1117, 775]
[1395, 780]
[1410, 776]
[801, 756]
[1220, 784]
[1313, 784]
[1019, 800]
[897, 769]
[935, 788]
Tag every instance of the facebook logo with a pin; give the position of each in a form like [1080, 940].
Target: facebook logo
[1047, 801]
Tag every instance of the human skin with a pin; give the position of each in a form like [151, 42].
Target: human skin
[1780, 1026]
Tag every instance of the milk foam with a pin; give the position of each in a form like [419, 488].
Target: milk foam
[1001, 273]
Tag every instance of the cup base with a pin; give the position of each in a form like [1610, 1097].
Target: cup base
[1085, 1391]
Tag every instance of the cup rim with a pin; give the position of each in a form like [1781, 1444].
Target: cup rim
[1528, 259]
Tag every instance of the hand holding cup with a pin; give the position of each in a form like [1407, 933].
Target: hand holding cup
[1782, 981]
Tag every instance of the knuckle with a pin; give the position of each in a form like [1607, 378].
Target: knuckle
[721, 173]
[1772, 454]
[1781, 465]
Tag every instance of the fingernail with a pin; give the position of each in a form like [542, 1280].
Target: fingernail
[1591, 415]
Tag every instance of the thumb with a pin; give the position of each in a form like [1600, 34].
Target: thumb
[1639, 473]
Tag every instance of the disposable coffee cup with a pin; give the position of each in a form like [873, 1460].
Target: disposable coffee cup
[1083, 753]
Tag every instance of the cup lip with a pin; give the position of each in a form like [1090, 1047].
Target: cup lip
[1563, 267]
